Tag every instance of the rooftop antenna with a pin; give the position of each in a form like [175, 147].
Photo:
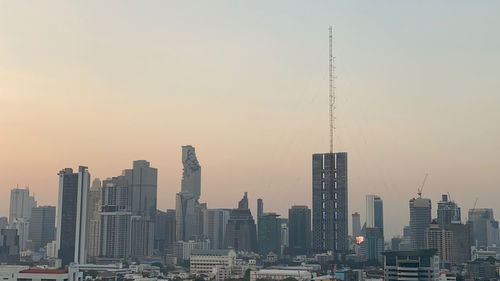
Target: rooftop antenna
[331, 94]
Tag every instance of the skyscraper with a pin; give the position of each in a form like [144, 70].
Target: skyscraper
[21, 204]
[94, 220]
[299, 229]
[115, 218]
[72, 215]
[375, 243]
[484, 227]
[269, 238]
[420, 219]
[142, 181]
[330, 209]
[188, 211]
[240, 231]
[260, 210]
[447, 211]
[374, 211]
[356, 224]
[42, 226]
[214, 226]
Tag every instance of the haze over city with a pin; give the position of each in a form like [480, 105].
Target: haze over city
[99, 84]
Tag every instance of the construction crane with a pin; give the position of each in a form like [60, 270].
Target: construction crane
[422, 186]
[474, 206]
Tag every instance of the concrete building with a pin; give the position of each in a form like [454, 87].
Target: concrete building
[42, 226]
[214, 226]
[269, 238]
[330, 209]
[299, 229]
[94, 220]
[115, 218]
[440, 240]
[183, 249]
[448, 211]
[21, 204]
[22, 226]
[420, 219]
[142, 181]
[72, 215]
[420, 265]
[356, 225]
[40, 274]
[241, 232]
[9, 246]
[451, 241]
[278, 274]
[205, 261]
[374, 211]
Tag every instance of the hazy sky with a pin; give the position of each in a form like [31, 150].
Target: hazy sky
[103, 83]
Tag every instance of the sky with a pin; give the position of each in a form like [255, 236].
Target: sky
[103, 83]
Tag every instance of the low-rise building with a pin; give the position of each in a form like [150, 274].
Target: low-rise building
[411, 265]
[7, 272]
[276, 274]
[206, 261]
[41, 274]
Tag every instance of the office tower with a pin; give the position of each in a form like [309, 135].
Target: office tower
[142, 183]
[240, 231]
[260, 210]
[72, 215]
[374, 211]
[284, 234]
[375, 241]
[329, 202]
[411, 265]
[269, 234]
[484, 227]
[191, 172]
[21, 204]
[42, 226]
[356, 224]
[299, 229]
[186, 216]
[9, 246]
[115, 218]
[214, 226]
[94, 220]
[22, 226]
[420, 219]
[4, 222]
[170, 229]
[447, 211]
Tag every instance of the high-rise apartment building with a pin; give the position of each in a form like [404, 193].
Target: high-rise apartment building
[115, 218]
[374, 211]
[142, 182]
[21, 204]
[451, 241]
[241, 232]
[42, 226]
[447, 211]
[269, 238]
[214, 226]
[420, 219]
[72, 215]
[299, 229]
[94, 220]
[356, 224]
[330, 210]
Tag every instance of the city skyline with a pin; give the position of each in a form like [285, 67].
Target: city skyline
[256, 112]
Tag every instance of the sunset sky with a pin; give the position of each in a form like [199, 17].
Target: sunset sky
[103, 83]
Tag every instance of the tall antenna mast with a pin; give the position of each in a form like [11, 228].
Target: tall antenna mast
[331, 89]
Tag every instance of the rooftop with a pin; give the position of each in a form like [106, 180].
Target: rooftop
[44, 271]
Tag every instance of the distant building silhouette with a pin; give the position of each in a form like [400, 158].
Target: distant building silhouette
[269, 238]
[214, 226]
[241, 231]
[485, 230]
[356, 224]
[94, 220]
[42, 226]
[299, 228]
